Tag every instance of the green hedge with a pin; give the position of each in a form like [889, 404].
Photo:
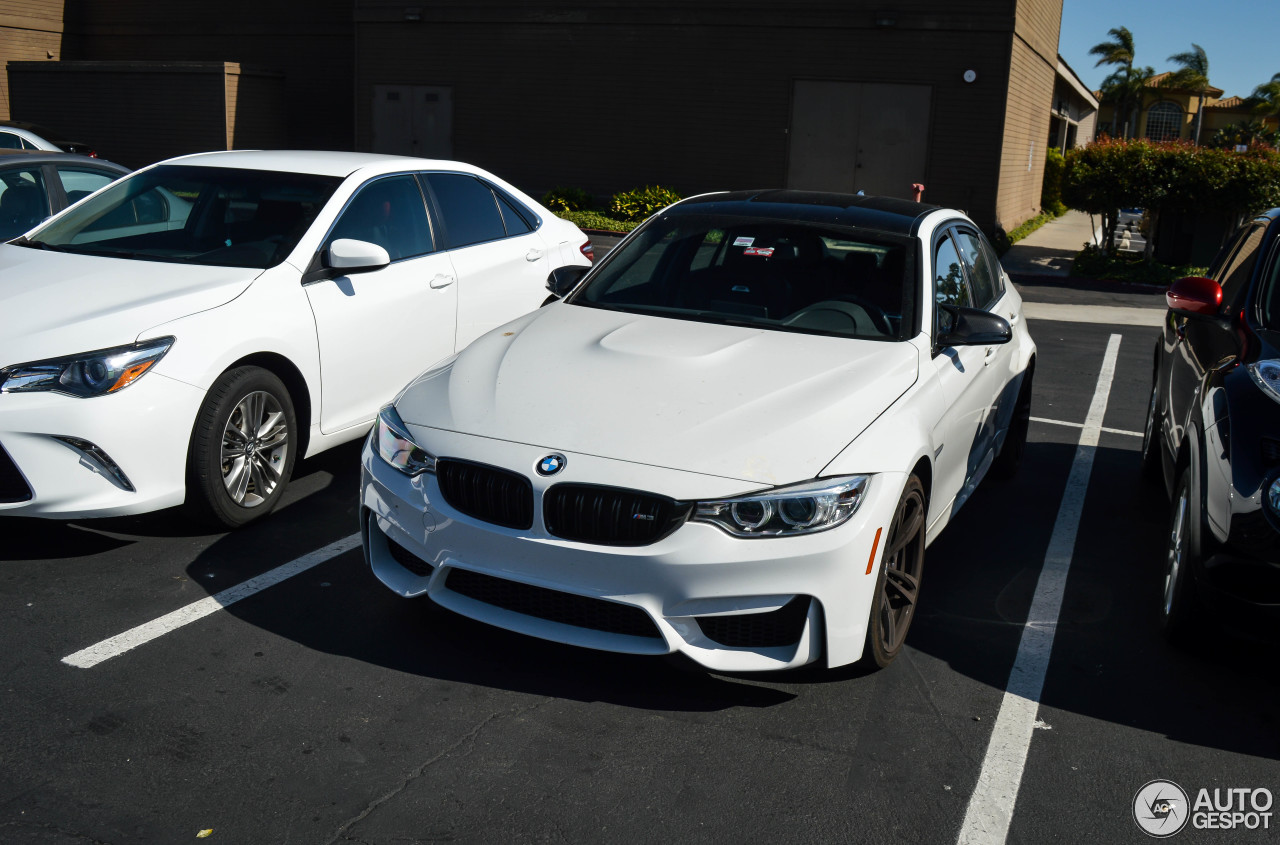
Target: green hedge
[567, 199]
[1112, 174]
[596, 220]
[642, 202]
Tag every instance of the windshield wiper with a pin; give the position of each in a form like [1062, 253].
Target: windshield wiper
[30, 244]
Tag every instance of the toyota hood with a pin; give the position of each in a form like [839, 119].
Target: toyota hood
[738, 402]
[54, 304]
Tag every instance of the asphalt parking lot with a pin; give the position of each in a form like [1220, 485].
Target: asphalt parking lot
[324, 709]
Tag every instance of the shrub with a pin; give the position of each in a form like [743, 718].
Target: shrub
[567, 199]
[642, 202]
[1093, 263]
[596, 220]
[1051, 188]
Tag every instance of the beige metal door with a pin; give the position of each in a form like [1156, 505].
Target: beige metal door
[859, 136]
[413, 120]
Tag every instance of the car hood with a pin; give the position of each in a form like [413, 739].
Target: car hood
[745, 403]
[54, 304]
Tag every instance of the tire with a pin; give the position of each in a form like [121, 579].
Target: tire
[898, 584]
[1151, 468]
[1182, 552]
[1009, 461]
[243, 447]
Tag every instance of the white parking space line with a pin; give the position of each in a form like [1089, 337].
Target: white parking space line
[1104, 429]
[990, 811]
[145, 633]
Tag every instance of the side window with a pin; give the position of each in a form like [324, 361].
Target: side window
[516, 219]
[78, 184]
[949, 284]
[468, 208]
[23, 201]
[984, 276]
[390, 213]
[1235, 274]
[9, 141]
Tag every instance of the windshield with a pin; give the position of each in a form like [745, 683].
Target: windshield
[224, 217]
[781, 275]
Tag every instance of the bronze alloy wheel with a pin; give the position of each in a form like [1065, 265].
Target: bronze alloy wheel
[901, 569]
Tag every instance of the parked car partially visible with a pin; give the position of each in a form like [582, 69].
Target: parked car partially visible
[37, 184]
[20, 135]
[190, 331]
[1213, 436]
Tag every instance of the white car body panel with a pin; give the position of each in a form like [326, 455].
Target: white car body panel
[55, 304]
[715, 400]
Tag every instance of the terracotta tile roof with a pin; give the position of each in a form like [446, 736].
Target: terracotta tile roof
[1228, 103]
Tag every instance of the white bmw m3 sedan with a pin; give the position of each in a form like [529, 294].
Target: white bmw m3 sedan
[732, 438]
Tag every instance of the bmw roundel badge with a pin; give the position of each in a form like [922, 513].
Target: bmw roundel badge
[551, 464]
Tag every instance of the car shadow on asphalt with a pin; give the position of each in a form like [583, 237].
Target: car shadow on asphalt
[1109, 661]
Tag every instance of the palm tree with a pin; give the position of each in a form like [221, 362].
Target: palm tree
[1123, 88]
[1266, 98]
[1117, 51]
[1193, 75]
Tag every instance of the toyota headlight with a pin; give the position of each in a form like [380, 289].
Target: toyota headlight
[1266, 374]
[396, 446]
[787, 511]
[91, 374]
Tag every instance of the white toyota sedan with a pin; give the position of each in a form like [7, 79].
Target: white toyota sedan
[189, 331]
[734, 438]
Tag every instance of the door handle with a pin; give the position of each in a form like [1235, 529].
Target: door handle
[991, 353]
[442, 280]
[1013, 318]
[533, 254]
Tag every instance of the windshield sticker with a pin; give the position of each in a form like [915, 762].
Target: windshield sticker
[763, 251]
[743, 241]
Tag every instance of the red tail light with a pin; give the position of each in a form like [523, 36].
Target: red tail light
[589, 251]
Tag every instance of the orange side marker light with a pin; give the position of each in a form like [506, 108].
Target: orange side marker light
[875, 546]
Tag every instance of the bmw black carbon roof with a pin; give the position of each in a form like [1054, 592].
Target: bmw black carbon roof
[885, 214]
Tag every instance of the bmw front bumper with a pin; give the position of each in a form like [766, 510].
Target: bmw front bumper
[728, 603]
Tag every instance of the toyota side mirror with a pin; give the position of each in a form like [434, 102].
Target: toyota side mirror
[564, 279]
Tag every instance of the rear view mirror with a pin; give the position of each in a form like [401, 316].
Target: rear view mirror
[1194, 296]
[960, 326]
[564, 279]
[352, 256]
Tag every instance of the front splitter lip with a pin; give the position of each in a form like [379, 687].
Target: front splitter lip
[698, 570]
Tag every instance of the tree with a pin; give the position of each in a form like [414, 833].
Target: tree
[1193, 75]
[1266, 98]
[1123, 89]
[1117, 51]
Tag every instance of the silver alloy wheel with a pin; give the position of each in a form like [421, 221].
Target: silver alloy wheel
[255, 444]
[1177, 544]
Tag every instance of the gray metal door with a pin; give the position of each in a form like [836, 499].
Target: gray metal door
[414, 120]
[856, 136]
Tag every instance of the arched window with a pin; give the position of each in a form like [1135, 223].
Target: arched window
[1164, 122]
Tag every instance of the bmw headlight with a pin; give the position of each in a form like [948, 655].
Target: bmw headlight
[397, 448]
[787, 511]
[91, 374]
[1266, 374]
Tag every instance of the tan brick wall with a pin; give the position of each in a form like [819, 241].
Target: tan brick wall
[1032, 71]
[30, 30]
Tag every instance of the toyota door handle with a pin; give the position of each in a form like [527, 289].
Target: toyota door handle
[442, 280]
[533, 255]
